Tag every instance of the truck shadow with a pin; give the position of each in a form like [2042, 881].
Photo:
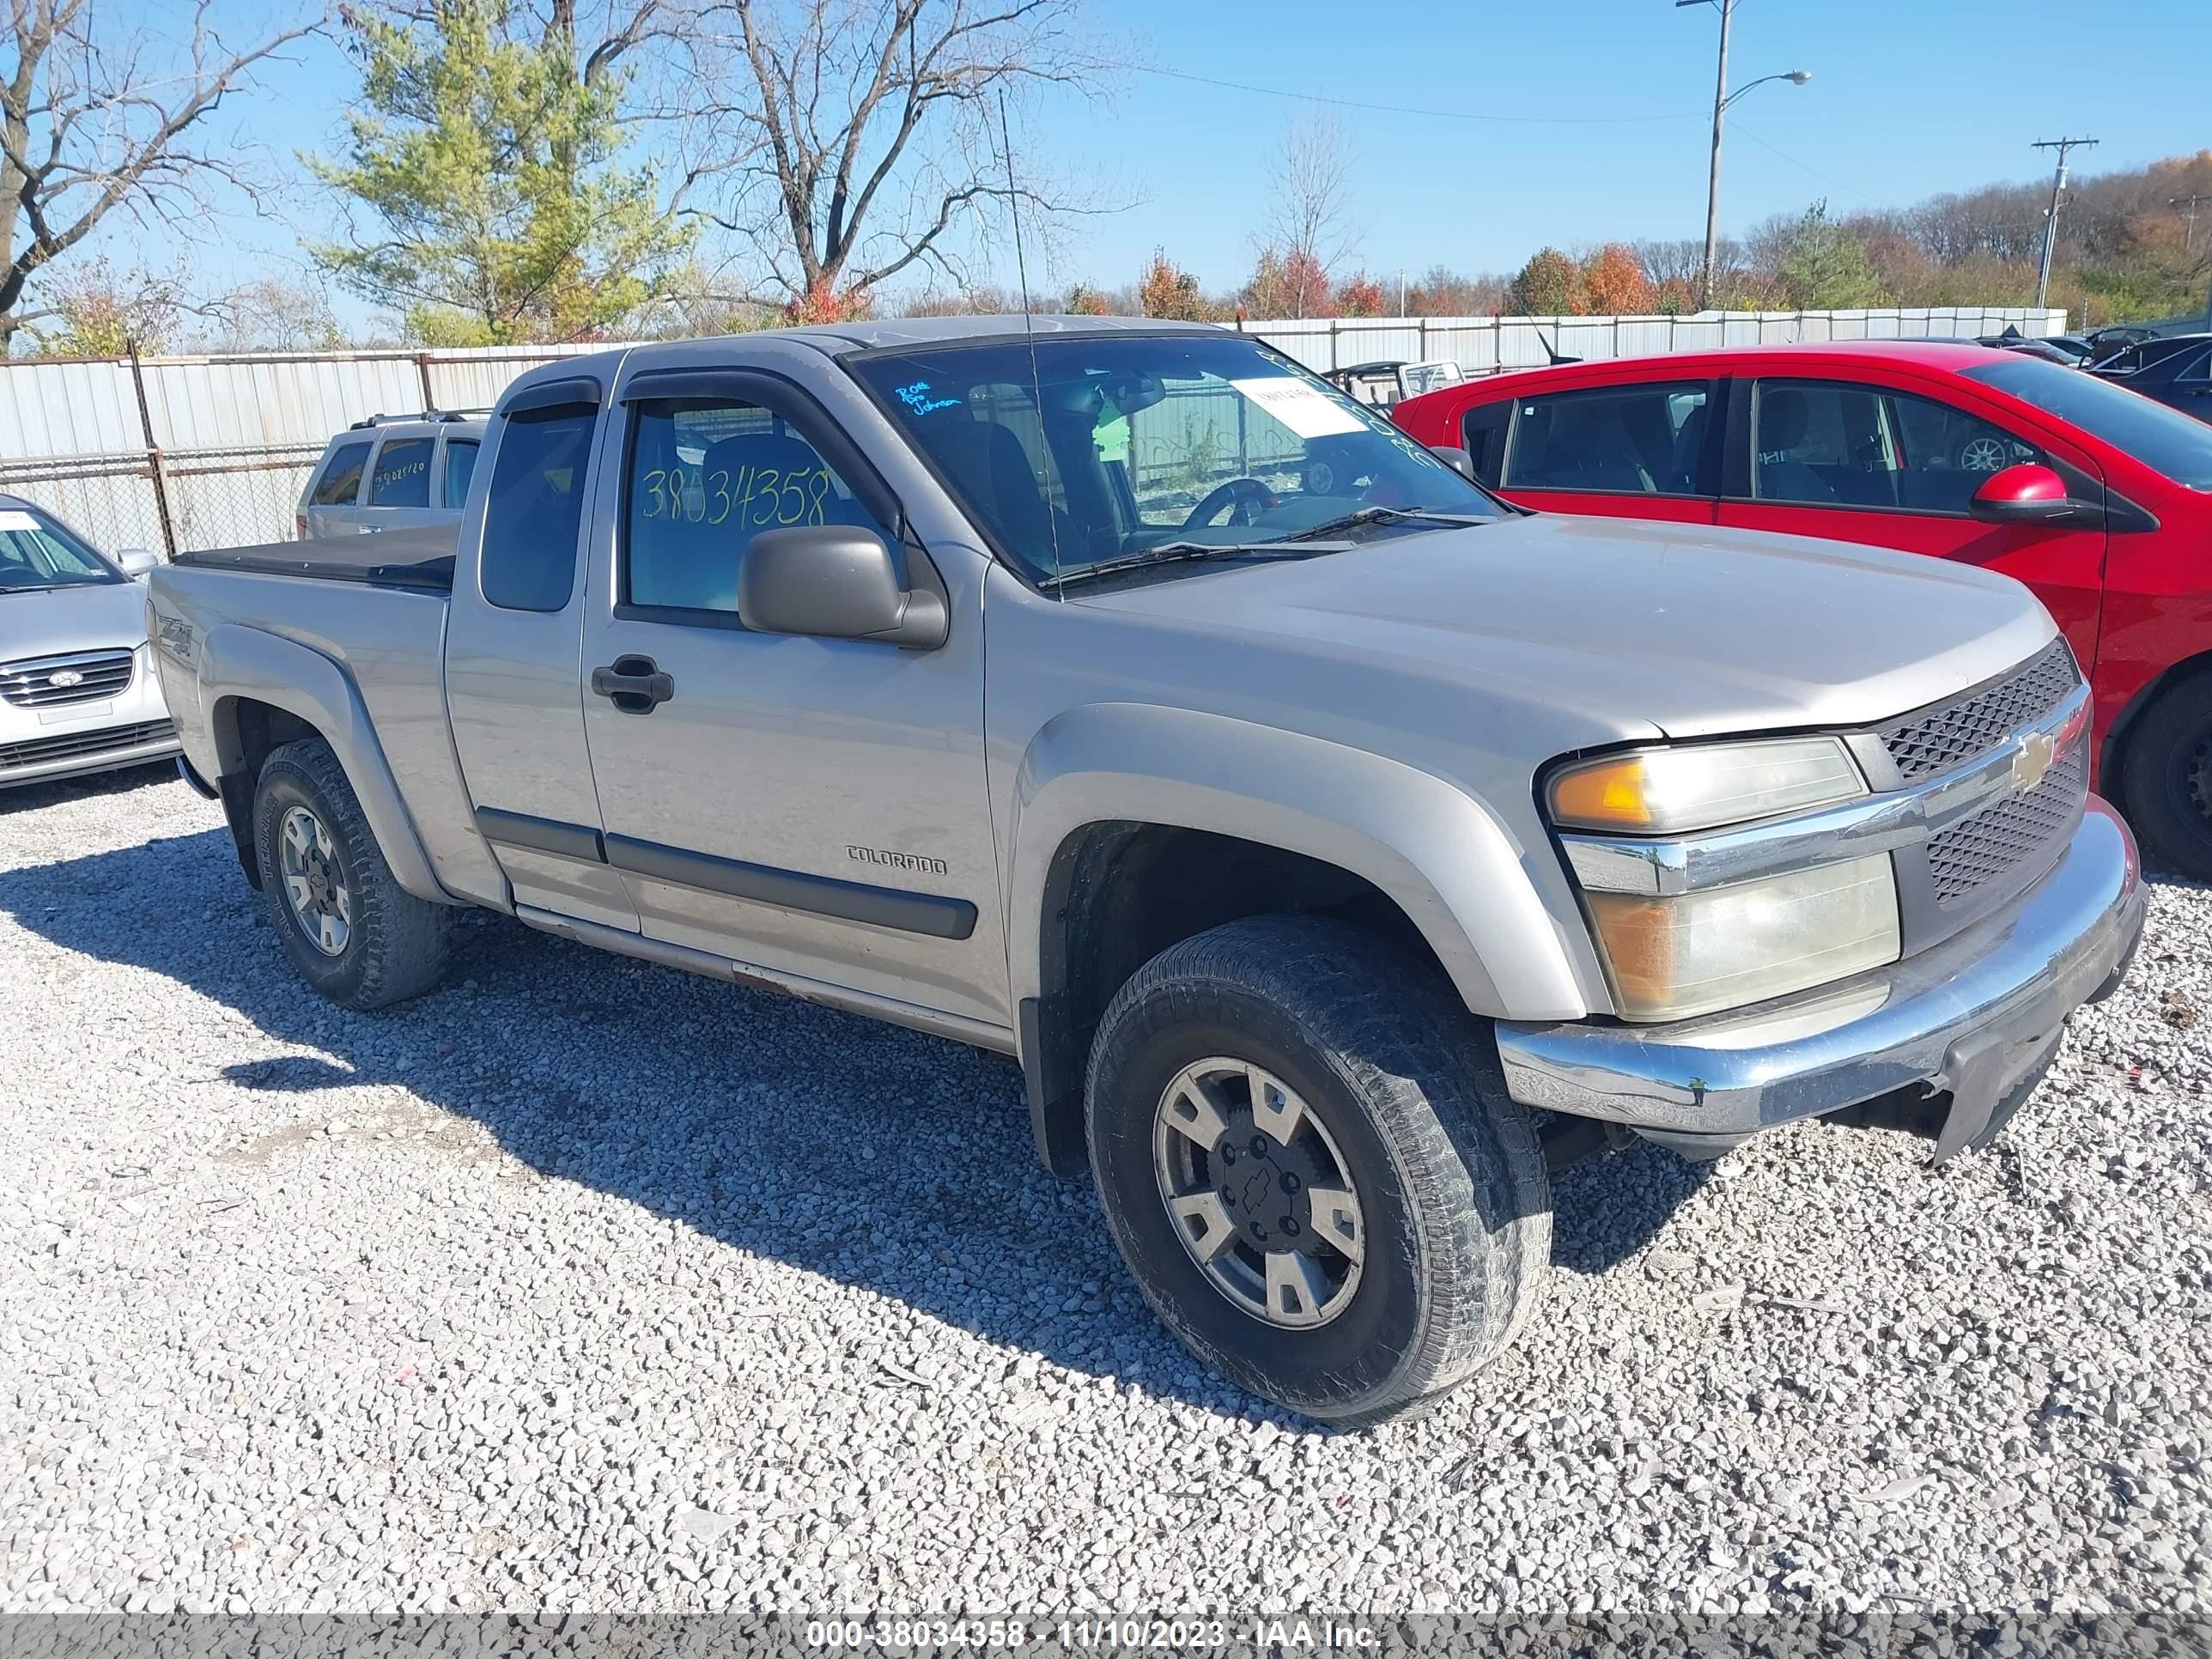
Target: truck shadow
[890, 1161]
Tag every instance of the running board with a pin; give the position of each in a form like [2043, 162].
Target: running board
[979, 1034]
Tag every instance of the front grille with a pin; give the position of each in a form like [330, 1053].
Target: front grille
[86, 677]
[38, 751]
[2002, 837]
[1935, 740]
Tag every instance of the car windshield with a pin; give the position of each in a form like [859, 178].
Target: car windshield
[1102, 447]
[35, 552]
[2157, 436]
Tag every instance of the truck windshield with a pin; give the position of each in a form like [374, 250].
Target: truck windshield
[36, 552]
[2157, 436]
[1104, 445]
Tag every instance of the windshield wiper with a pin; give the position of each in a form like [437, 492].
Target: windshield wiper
[1391, 516]
[1192, 552]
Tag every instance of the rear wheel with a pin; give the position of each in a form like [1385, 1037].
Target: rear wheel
[1307, 1158]
[2166, 776]
[353, 932]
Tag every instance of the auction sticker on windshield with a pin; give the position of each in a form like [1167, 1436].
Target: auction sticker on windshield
[1306, 410]
[13, 519]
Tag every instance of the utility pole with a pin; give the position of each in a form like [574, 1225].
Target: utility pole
[2189, 204]
[2051, 227]
[1713, 180]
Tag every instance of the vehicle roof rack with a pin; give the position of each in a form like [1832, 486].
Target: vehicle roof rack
[422, 415]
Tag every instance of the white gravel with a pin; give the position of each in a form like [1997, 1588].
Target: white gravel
[590, 1286]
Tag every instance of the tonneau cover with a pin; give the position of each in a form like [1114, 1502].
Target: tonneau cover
[421, 559]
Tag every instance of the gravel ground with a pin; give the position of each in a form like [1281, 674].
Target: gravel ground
[592, 1285]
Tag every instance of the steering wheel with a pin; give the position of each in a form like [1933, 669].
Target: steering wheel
[1248, 496]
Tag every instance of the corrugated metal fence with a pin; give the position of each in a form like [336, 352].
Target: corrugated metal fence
[182, 453]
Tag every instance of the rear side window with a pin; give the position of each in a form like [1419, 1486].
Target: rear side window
[341, 480]
[1636, 441]
[460, 467]
[535, 509]
[401, 476]
[1483, 433]
[708, 475]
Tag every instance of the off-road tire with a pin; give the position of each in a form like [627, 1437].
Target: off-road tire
[396, 944]
[2166, 776]
[1457, 1205]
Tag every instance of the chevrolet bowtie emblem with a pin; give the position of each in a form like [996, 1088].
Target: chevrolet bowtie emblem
[2037, 751]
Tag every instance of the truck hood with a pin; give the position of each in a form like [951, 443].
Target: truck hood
[1694, 631]
[52, 622]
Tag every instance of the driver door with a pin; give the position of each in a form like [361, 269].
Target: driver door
[815, 806]
[1860, 460]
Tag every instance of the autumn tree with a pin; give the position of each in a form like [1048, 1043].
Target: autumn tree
[844, 143]
[1167, 292]
[93, 309]
[1442, 292]
[1361, 295]
[1613, 284]
[1549, 285]
[486, 197]
[1084, 300]
[270, 314]
[97, 118]
[1309, 225]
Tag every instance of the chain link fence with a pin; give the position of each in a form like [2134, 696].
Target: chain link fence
[181, 502]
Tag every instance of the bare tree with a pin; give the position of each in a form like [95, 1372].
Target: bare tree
[91, 122]
[1309, 225]
[856, 140]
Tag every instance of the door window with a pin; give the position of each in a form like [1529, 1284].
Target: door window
[536, 507]
[401, 476]
[460, 467]
[1830, 443]
[341, 480]
[1483, 433]
[1638, 439]
[706, 477]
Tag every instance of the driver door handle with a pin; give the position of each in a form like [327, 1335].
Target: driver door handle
[634, 684]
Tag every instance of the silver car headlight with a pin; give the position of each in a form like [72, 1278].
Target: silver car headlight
[1674, 956]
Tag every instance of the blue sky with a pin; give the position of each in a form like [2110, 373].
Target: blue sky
[1906, 100]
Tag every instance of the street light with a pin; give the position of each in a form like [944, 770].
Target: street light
[1722, 99]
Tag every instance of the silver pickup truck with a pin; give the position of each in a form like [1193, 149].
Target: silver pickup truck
[1337, 849]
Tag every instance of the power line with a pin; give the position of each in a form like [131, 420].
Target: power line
[1849, 190]
[1407, 109]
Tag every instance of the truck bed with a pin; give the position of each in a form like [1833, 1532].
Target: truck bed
[418, 560]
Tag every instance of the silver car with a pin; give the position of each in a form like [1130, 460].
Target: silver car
[77, 690]
[392, 472]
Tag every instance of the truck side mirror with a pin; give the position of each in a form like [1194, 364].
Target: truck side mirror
[2027, 494]
[835, 581]
[1455, 457]
[136, 562]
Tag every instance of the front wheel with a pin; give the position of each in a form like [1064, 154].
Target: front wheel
[1307, 1155]
[353, 932]
[2166, 776]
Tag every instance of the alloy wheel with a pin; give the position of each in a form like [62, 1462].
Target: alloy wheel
[1259, 1192]
[314, 881]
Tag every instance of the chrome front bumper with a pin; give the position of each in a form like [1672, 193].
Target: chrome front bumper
[1973, 1016]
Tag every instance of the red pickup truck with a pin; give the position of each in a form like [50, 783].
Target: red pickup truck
[2098, 499]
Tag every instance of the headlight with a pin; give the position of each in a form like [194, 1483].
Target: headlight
[1704, 785]
[1695, 953]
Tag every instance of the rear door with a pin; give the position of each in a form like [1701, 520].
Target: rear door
[398, 494]
[513, 644]
[1644, 449]
[1863, 459]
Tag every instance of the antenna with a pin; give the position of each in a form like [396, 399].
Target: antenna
[1029, 334]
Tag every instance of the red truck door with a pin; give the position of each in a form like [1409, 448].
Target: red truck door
[1862, 461]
